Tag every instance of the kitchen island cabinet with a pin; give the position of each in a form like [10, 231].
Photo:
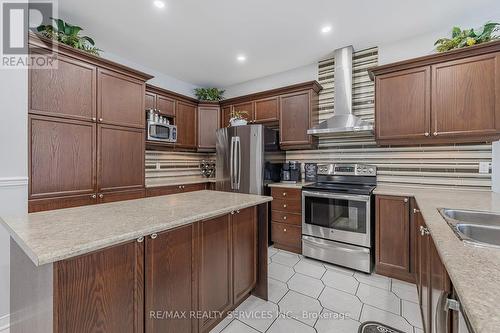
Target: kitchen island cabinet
[156, 264]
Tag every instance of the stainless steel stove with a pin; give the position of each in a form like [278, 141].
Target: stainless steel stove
[338, 215]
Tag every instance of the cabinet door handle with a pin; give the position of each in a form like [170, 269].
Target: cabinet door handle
[435, 133]
[284, 229]
[284, 217]
[426, 133]
[406, 200]
[94, 119]
[284, 194]
[100, 120]
[101, 195]
[140, 239]
[154, 236]
[415, 211]
[232, 213]
[284, 206]
[237, 212]
[93, 196]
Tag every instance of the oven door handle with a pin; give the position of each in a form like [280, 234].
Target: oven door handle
[363, 198]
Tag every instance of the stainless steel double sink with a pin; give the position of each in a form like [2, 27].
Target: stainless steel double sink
[474, 227]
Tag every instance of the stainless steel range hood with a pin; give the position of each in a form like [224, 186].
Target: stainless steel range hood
[342, 121]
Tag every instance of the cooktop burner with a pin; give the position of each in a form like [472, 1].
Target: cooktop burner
[341, 188]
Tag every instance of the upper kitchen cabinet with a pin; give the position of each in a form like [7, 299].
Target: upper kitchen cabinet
[466, 97]
[296, 117]
[451, 97]
[266, 110]
[66, 91]
[403, 101]
[86, 122]
[150, 101]
[293, 108]
[185, 119]
[165, 105]
[120, 99]
[208, 123]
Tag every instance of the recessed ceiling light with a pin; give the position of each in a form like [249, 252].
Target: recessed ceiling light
[241, 58]
[159, 4]
[326, 29]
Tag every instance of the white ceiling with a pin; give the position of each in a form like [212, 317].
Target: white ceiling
[198, 40]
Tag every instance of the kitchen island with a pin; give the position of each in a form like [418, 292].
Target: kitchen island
[175, 263]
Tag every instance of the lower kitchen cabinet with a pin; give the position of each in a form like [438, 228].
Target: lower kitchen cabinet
[215, 270]
[181, 280]
[394, 252]
[286, 219]
[244, 253]
[433, 283]
[100, 292]
[170, 280]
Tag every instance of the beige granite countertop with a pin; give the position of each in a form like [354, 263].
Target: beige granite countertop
[474, 271]
[158, 182]
[47, 237]
[298, 185]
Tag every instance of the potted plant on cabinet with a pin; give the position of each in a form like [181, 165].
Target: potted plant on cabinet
[209, 94]
[238, 118]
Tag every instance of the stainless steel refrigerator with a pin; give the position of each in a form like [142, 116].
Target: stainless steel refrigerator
[248, 157]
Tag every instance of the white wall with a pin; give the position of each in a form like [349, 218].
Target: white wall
[14, 166]
[297, 75]
[161, 80]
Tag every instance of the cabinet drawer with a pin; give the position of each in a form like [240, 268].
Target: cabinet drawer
[194, 187]
[287, 218]
[287, 206]
[289, 193]
[287, 235]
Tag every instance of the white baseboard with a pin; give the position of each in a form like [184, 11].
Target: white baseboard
[4, 324]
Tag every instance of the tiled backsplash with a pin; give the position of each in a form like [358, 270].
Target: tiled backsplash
[174, 167]
[451, 165]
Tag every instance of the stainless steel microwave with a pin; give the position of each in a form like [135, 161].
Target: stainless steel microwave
[162, 132]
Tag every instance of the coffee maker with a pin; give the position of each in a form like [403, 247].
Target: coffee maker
[291, 172]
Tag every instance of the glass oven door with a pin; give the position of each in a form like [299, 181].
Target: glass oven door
[340, 217]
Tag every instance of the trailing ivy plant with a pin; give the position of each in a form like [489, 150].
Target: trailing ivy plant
[468, 37]
[209, 94]
[68, 34]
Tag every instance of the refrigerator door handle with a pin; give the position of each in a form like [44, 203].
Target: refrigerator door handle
[231, 162]
[238, 163]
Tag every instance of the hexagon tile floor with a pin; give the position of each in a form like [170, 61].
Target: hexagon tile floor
[306, 295]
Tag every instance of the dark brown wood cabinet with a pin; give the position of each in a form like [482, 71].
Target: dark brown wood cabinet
[150, 101]
[52, 173]
[67, 91]
[295, 119]
[215, 269]
[244, 239]
[286, 219]
[466, 97]
[86, 123]
[170, 280]
[174, 189]
[166, 105]
[403, 101]
[185, 119]
[393, 250]
[120, 99]
[101, 292]
[266, 110]
[226, 115]
[451, 97]
[120, 158]
[208, 123]
[294, 109]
